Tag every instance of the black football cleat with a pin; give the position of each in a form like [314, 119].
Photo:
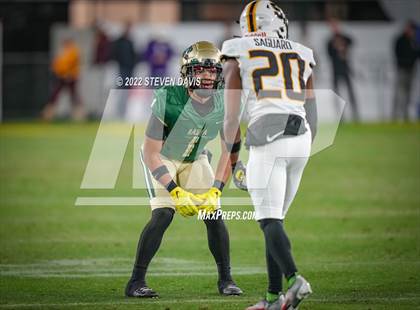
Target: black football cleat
[137, 290]
[228, 288]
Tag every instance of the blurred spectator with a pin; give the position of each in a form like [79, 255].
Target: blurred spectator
[406, 54]
[101, 57]
[102, 47]
[158, 54]
[125, 56]
[338, 50]
[65, 68]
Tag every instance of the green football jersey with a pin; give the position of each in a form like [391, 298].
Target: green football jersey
[188, 131]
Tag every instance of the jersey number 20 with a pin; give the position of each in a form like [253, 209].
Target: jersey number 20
[291, 91]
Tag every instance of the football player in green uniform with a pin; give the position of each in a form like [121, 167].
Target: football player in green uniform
[177, 170]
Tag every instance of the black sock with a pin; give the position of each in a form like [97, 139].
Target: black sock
[149, 242]
[278, 245]
[218, 240]
[275, 275]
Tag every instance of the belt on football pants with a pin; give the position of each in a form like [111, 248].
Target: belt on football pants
[272, 127]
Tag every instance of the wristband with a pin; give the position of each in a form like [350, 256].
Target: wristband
[159, 172]
[234, 148]
[219, 185]
[171, 186]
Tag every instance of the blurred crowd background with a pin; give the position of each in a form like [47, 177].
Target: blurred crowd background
[60, 59]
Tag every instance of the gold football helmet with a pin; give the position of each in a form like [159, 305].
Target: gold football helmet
[201, 54]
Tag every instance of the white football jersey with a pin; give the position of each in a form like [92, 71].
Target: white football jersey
[274, 73]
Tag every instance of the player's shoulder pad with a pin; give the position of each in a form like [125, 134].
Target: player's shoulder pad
[307, 52]
[166, 97]
[230, 48]
[163, 90]
[170, 91]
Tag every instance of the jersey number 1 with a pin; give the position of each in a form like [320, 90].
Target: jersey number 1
[292, 92]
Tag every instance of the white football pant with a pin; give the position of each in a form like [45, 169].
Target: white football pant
[274, 172]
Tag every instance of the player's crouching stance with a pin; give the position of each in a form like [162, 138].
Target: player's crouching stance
[282, 113]
[178, 172]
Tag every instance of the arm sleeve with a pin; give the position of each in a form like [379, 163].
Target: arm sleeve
[311, 115]
[155, 129]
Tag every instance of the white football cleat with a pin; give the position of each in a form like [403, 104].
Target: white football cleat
[277, 304]
[265, 305]
[300, 290]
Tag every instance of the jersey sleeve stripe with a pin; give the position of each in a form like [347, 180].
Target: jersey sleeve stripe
[147, 177]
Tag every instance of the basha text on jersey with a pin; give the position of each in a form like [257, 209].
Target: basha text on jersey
[273, 43]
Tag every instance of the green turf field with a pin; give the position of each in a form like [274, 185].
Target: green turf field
[355, 228]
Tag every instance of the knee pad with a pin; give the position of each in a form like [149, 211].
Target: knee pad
[162, 216]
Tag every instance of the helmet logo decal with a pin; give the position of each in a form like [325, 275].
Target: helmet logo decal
[186, 52]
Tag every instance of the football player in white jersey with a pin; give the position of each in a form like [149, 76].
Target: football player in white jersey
[275, 76]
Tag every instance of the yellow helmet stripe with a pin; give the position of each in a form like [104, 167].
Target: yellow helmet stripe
[252, 18]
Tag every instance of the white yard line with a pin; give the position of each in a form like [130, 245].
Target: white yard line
[299, 235]
[162, 266]
[206, 300]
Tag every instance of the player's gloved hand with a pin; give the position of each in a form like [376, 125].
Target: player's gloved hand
[183, 201]
[210, 200]
[239, 175]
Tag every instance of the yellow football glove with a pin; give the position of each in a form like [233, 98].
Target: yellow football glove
[183, 201]
[239, 175]
[210, 200]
